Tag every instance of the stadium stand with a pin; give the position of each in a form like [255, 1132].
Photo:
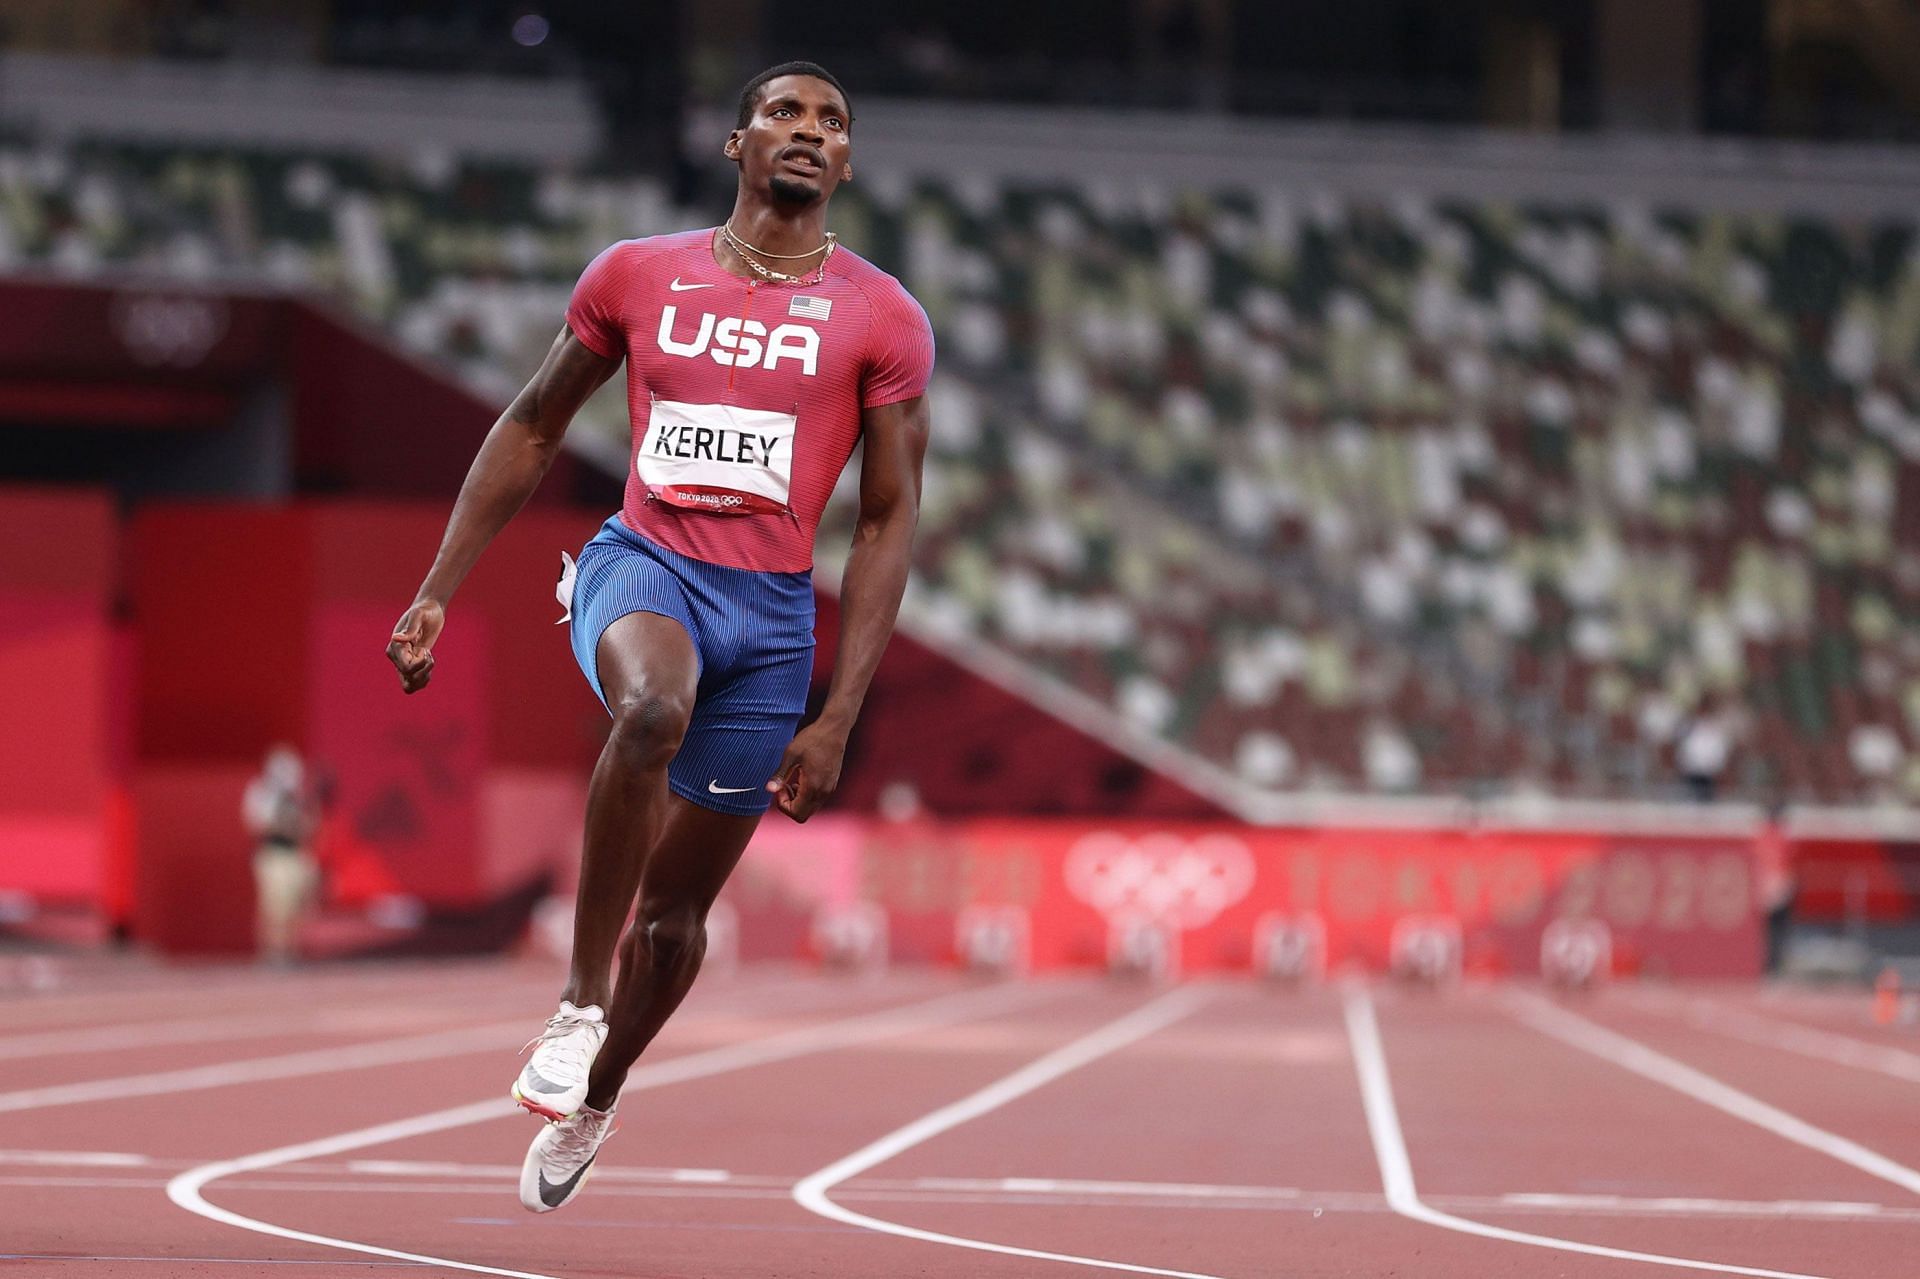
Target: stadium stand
[1389, 496]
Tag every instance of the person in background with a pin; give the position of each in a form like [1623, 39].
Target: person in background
[1775, 885]
[280, 810]
[1706, 742]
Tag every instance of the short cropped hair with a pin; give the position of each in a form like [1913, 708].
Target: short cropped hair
[750, 96]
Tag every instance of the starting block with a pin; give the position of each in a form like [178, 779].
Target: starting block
[1426, 950]
[1140, 947]
[994, 940]
[1290, 949]
[1576, 954]
[851, 937]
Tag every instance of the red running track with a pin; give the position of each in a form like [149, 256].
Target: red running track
[1224, 1131]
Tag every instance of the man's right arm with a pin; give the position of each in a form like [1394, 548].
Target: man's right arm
[511, 463]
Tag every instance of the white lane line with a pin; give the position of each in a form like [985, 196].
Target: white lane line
[78, 1012]
[1631, 1054]
[208, 1261]
[317, 1061]
[331, 1021]
[456, 1042]
[812, 1192]
[1081, 1186]
[432, 1168]
[865, 1191]
[75, 1158]
[141, 1035]
[1396, 1168]
[1697, 1207]
[185, 1189]
[1822, 1045]
[396, 1009]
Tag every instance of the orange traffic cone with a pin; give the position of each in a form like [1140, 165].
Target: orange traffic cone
[1886, 997]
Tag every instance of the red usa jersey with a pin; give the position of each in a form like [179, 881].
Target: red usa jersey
[744, 397]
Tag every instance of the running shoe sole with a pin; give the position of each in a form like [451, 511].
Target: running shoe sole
[541, 1109]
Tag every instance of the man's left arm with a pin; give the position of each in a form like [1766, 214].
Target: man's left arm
[870, 592]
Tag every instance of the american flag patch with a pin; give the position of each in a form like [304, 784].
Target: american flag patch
[807, 308]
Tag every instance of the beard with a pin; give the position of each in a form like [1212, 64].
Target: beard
[787, 189]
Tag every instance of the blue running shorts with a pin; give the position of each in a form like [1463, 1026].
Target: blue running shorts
[752, 633]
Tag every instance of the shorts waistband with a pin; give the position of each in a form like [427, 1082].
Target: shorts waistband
[619, 528]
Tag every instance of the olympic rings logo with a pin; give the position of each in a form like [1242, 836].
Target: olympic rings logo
[1181, 882]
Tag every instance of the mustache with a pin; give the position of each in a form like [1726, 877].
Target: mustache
[815, 154]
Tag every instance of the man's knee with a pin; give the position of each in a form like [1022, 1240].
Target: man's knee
[648, 727]
[671, 935]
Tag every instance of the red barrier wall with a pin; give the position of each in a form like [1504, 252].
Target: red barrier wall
[1856, 880]
[57, 577]
[1677, 906]
[266, 624]
[192, 877]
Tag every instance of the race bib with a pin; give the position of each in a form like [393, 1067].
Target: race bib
[717, 458]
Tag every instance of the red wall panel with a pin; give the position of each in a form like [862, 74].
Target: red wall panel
[221, 599]
[538, 710]
[193, 886]
[57, 580]
[264, 624]
[1675, 906]
[407, 769]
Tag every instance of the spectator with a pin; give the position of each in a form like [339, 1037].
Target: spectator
[281, 810]
[1706, 742]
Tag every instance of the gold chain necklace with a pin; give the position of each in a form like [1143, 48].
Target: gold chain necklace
[767, 273]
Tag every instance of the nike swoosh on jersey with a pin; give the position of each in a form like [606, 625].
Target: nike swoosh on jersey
[715, 788]
[678, 287]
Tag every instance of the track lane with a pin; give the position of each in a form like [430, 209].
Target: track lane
[369, 1224]
[1256, 1090]
[1492, 1107]
[790, 1111]
[124, 1213]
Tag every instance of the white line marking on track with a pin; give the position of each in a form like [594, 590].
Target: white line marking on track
[333, 1021]
[141, 1035]
[1631, 1054]
[211, 1261]
[185, 1189]
[812, 1192]
[433, 1168]
[1075, 1186]
[870, 1191]
[455, 1042]
[359, 1018]
[75, 1158]
[317, 1061]
[1698, 1207]
[1823, 1045]
[1396, 1168]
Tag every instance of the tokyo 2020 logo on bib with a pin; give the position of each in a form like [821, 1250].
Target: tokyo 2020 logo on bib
[717, 457]
[1164, 877]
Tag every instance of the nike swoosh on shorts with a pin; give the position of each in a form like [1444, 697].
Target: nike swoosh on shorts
[715, 788]
[678, 287]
